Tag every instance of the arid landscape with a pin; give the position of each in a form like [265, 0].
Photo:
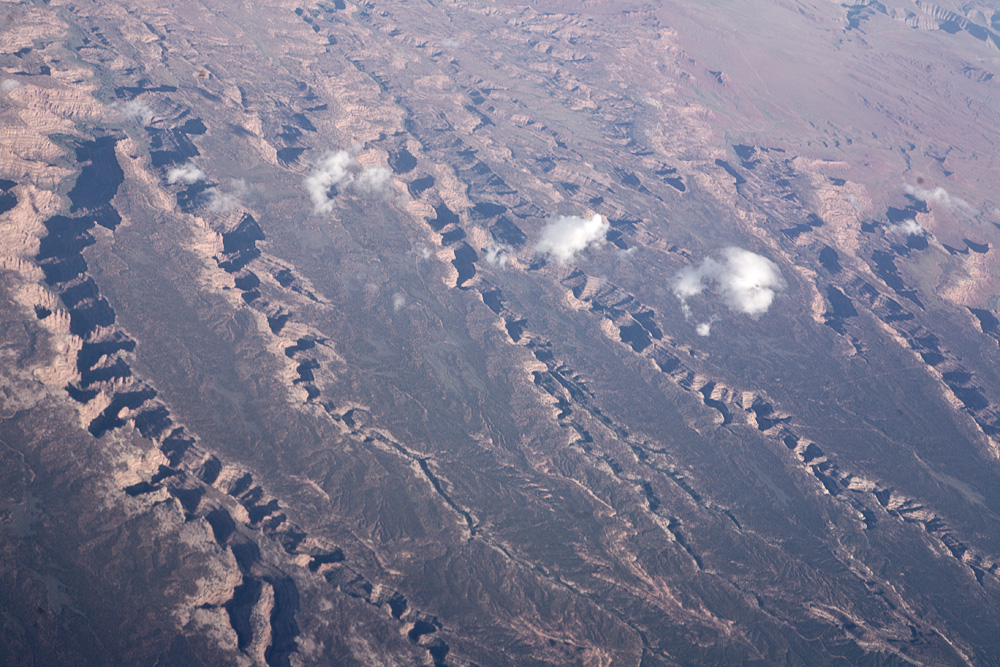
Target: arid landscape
[448, 332]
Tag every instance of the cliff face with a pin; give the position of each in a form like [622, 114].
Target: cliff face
[465, 333]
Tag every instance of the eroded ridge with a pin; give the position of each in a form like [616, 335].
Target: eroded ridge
[877, 279]
[864, 495]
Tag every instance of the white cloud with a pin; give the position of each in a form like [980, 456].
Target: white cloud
[8, 85]
[373, 179]
[219, 201]
[450, 43]
[187, 173]
[332, 171]
[224, 199]
[566, 236]
[909, 227]
[398, 301]
[498, 254]
[137, 110]
[338, 171]
[704, 328]
[747, 282]
[936, 195]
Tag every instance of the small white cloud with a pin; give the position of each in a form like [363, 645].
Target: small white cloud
[223, 199]
[398, 301]
[8, 85]
[704, 328]
[498, 254]
[566, 236]
[747, 282]
[339, 171]
[909, 227]
[219, 201]
[373, 180]
[137, 110]
[332, 171]
[450, 43]
[692, 280]
[423, 252]
[187, 173]
[936, 195]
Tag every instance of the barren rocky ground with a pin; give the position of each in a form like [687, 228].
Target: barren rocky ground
[469, 333]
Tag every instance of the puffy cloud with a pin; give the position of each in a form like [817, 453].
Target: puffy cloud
[704, 328]
[909, 227]
[497, 254]
[747, 282]
[219, 198]
[332, 171]
[221, 202]
[373, 179]
[936, 195]
[398, 301]
[8, 85]
[224, 199]
[339, 171]
[137, 110]
[187, 173]
[566, 236]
